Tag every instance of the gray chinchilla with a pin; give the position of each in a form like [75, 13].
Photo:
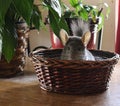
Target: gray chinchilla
[75, 46]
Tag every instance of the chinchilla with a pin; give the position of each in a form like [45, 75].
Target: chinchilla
[75, 46]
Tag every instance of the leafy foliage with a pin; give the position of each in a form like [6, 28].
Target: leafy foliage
[57, 22]
[6, 4]
[12, 11]
[27, 6]
[87, 12]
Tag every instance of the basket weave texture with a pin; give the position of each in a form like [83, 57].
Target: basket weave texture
[73, 76]
[16, 65]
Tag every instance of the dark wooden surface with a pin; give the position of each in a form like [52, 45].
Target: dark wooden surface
[25, 91]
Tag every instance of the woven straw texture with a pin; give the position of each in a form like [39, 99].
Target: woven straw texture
[73, 77]
[16, 65]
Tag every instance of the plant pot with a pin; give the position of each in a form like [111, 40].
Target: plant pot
[94, 31]
[93, 39]
[56, 43]
[16, 65]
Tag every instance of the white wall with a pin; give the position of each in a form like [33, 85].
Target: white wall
[108, 41]
[41, 38]
[109, 28]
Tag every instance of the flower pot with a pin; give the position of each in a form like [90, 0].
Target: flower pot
[16, 65]
[92, 42]
[56, 43]
[94, 31]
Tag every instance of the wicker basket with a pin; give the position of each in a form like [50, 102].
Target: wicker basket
[16, 65]
[73, 77]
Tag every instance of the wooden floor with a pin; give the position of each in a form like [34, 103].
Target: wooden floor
[25, 91]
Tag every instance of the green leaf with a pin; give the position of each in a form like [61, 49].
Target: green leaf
[36, 18]
[63, 25]
[24, 8]
[8, 45]
[55, 5]
[54, 20]
[54, 17]
[84, 14]
[74, 3]
[9, 39]
[4, 5]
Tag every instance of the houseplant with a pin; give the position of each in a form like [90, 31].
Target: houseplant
[93, 14]
[13, 29]
[23, 11]
[15, 11]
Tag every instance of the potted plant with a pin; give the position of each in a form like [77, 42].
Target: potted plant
[25, 11]
[16, 17]
[92, 14]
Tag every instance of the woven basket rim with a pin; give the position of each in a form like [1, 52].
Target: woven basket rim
[114, 56]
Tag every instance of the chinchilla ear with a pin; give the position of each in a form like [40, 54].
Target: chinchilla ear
[63, 36]
[86, 37]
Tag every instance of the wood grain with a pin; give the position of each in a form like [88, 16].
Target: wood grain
[25, 91]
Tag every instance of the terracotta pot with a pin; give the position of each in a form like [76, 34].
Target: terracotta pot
[56, 43]
[93, 39]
